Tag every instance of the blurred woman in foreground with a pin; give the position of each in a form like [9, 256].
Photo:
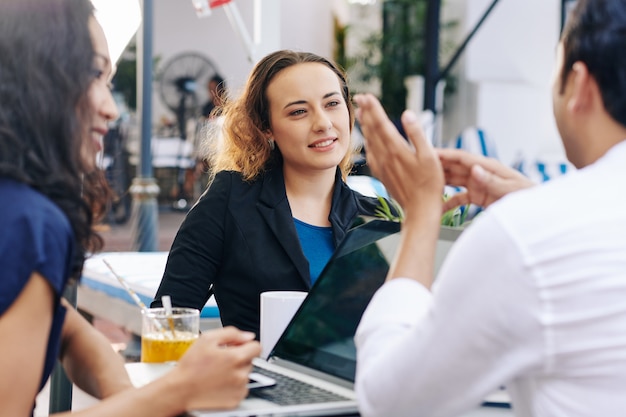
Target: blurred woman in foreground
[55, 105]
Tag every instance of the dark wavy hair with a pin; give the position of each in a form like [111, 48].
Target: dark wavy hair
[595, 34]
[46, 67]
[247, 119]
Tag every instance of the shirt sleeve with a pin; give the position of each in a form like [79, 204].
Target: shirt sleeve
[441, 353]
[40, 240]
[197, 250]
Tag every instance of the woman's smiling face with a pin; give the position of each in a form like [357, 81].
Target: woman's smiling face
[309, 117]
[102, 107]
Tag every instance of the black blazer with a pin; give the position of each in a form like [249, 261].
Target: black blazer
[240, 237]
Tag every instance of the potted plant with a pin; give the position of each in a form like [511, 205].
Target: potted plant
[394, 53]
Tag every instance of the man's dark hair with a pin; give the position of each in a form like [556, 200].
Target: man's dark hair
[595, 34]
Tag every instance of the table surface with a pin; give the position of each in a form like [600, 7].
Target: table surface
[143, 272]
[102, 295]
[143, 373]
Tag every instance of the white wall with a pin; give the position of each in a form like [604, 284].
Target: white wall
[460, 107]
[507, 70]
[303, 24]
[504, 75]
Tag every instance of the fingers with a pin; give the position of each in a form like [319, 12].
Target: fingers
[460, 199]
[228, 336]
[373, 118]
[216, 367]
[481, 186]
[411, 174]
[450, 156]
[491, 187]
[457, 165]
[414, 131]
[486, 179]
[239, 343]
[384, 144]
[459, 162]
[248, 351]
[426, 157]
[457, 157]
[379, 132]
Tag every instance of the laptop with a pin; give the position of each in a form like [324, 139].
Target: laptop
[314, 361]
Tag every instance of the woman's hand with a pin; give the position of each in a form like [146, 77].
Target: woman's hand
[214, 371]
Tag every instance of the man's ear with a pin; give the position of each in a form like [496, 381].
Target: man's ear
[584, 89]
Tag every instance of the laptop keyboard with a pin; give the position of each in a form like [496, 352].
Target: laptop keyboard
[289, 391]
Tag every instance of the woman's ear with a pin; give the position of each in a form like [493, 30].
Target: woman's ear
[269, 138]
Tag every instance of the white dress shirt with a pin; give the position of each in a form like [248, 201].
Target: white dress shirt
[532, 295]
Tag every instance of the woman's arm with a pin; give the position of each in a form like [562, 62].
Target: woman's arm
[197, 251]
[24, 331]
[88, 358]
[213, 374]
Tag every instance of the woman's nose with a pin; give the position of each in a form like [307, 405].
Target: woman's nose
[109, 109]
[322, 122]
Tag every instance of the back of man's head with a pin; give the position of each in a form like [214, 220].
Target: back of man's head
[595, 34]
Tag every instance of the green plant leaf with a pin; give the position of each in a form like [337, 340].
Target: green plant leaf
[383, 210]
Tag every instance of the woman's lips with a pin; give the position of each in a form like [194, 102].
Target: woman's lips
[97, 136]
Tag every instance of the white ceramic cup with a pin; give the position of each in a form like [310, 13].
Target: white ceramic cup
[277, 309]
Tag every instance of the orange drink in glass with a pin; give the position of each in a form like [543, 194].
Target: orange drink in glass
[165, 338]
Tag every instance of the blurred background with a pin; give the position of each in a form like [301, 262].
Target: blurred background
[494, 98]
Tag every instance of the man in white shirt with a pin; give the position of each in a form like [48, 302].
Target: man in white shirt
[533, 294]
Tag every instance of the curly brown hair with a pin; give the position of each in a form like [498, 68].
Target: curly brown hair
[244, 146]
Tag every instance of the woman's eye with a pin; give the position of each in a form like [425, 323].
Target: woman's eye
[97, 73]
[333, 103]
[297, 112]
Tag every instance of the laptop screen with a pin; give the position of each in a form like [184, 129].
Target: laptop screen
[321, 334]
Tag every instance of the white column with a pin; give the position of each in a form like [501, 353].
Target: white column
[266, 32]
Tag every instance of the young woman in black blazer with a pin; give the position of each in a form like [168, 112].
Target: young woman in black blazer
[278, 204]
